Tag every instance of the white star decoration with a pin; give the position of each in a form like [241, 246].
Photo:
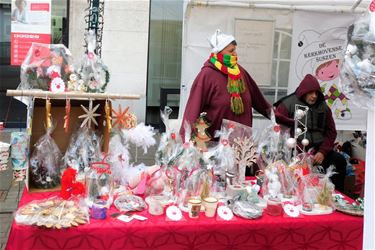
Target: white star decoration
[90, 115]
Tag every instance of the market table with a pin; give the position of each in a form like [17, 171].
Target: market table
[335, 231]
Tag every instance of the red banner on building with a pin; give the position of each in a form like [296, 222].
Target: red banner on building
[39, 7]
[21, 42]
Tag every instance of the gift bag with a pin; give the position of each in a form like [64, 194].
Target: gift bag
[83, 149]
[45, 162]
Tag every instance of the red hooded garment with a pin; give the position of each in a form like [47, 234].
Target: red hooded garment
[320, 120]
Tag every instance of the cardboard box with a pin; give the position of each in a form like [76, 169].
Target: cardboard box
[61, 138]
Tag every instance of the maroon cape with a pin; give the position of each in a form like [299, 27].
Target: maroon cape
[209, 94]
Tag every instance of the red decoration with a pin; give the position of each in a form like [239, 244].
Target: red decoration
[69, 185]
[55, 74]
[231, 125]
[101, 167]
[67, 116]
[90, 55]
[37, 53]
[173, 136]
[224, 142]
[276, 128]
[372, 6]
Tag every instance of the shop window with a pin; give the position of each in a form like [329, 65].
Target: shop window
[164, 60]
[280, 66]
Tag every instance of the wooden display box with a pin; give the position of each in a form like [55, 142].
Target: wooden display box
[61, 138]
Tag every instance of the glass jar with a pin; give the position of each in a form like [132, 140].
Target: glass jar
[99, 184]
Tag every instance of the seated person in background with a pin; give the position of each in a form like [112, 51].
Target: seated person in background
[223, 89]
[321, 129]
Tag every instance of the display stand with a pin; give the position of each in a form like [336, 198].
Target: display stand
[70, 95]
[369, 216]
[36, 114]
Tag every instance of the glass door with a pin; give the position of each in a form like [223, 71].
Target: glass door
[164, 58]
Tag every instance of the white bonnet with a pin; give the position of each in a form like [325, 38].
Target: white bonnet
[219, 41]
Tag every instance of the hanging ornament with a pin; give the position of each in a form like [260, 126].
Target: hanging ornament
[291, 142]
[67, 116]
[108, 116]
[48, 114]
[200, 134]
[120, 117]
[90, 115]
[305, 142]
[299, 114]
[123, 118]
[130, 120]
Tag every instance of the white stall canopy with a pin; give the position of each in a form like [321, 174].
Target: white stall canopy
[260, 19]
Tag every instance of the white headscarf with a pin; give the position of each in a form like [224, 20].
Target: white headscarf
[219, 41]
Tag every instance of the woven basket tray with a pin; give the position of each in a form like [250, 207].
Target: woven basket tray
[349, 211]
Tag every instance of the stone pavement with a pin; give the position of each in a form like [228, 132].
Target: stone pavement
[10, 191]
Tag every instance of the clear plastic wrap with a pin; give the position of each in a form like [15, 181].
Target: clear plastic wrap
[99, 183]
[200, 180]
[272, 187]
[122, 168]
[47, 67]
[170, 147]
[53, 213]
[158, 183]
[247, 210]
[303, 161]
[127, 203]
[308, 189]
[358, 68]
[185, 165]
[288, 180]
[225, 158]
[92, 71]
[45, 162]
[168, 154]
[272, 144]
[84, 149]
[119, 158]
[326, 188]
[242, 141]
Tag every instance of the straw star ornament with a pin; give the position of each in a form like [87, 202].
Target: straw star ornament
[119, 117]
[90, 115]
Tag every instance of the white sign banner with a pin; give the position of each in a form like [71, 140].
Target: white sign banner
[318, 47]
[254, 47]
